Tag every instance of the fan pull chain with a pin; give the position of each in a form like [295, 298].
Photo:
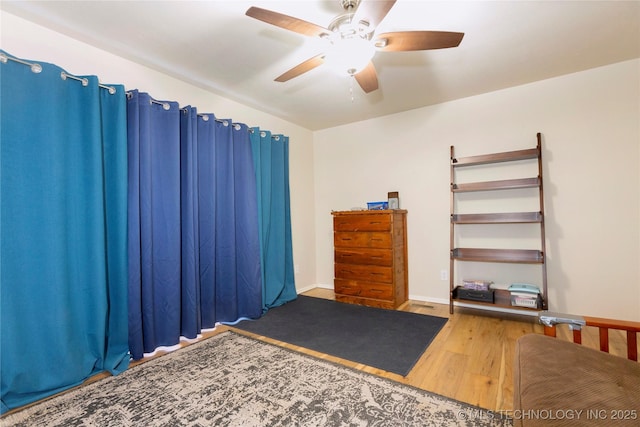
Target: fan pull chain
[351, 88]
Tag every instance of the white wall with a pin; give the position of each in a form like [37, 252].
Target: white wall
[590, 123]
[27, 40]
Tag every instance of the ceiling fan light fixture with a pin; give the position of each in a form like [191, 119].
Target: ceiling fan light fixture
[349, 55]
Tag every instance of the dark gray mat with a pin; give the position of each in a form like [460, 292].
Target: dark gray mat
[386, 339]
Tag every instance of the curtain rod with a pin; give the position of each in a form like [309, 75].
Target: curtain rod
[205, 117]
[37, 68]
[166, 106]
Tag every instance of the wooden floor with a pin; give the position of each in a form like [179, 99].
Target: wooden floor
[470, 360]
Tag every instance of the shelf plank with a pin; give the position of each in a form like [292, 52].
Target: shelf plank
[502, 299]
[507, 184]
[522, 256]
[497, 218]
[508, 156]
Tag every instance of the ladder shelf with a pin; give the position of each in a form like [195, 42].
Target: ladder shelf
[501, 297]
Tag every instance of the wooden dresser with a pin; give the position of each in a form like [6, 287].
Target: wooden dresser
[371, 257]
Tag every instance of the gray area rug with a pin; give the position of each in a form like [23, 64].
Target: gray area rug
[233, 380]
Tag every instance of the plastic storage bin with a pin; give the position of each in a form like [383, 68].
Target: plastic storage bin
[375, 206]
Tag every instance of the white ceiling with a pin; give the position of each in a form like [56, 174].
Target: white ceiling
[212, 44]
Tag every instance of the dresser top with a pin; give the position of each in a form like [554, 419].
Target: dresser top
[369, 212]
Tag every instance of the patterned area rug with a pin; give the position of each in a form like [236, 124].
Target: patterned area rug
[233, 380]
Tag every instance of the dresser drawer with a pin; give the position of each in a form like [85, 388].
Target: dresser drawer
[381, 222]
[373, 273]
[363, 289]
[368, 256]
[362, 240]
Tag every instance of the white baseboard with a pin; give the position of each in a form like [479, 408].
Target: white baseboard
[497, 309]
[435, 301]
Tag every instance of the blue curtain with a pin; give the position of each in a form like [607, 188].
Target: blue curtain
[194, 249]
[126, 224]
[190, 290]
[238, 270]
[63, 280]
[271, 162]
[153, 131]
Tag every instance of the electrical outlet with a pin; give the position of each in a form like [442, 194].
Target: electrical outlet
[444, 275]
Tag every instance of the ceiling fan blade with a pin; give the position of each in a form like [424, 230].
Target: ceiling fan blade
[302, 68]
[401, 41]
[373, 12]
[286, 22]
[367, 78]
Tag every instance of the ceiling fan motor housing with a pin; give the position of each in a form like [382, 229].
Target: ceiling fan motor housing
[349, 4]
[342, 27]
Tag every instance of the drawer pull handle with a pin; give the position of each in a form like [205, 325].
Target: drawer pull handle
[376, 257]
[346, 255]
[376, 239]
[376, 274]
[375, 222]
[346, 238]
[346, 271]
[376, 291]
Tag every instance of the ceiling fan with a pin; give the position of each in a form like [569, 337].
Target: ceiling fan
[353, 40]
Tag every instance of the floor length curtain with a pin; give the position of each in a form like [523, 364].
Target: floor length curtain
[190, 289]
[194, 253]
[238, 270]
[271, 161]
[154, 223]
[63, 280]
